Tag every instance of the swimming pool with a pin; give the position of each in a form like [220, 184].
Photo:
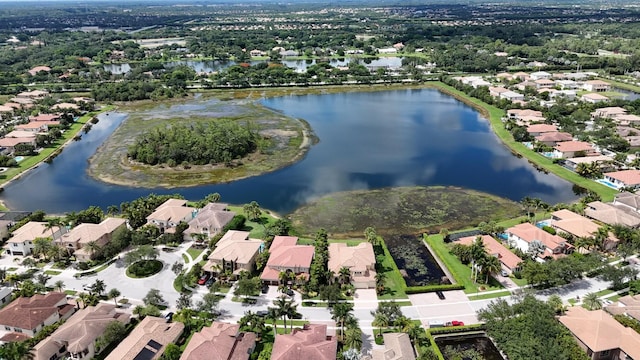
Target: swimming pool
[18, 158]
[543, 223]
[608, 183]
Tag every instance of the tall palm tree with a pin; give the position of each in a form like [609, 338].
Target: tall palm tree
[491, 265]
[344, 275]
[114, 293]
[478, 253]
[273, 314]
[283, 304]
[18, 350]
[13, 279]
[371, 236]
[380, 320]
[592, 302]
[92, 247]
[51, 224]
[402, 323]
[340, 312]
[59, 285]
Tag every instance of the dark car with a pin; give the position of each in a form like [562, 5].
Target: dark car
[262, 313]
[440, 295]
[289, 292]
[169, 316]
[203, 279]
[265, 289]
[209, 282]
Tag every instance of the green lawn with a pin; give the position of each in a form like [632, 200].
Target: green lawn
[519, 282]
[482, 296]
[460, 271]
[194, 252]
[185, 258]
[70, 292]
[256, 229]
[618, 296]
[52, 272]
[394, 283]
[495, 115]
[623, 85]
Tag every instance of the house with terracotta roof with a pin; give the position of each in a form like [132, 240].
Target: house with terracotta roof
[608, 112]
[21, 243]
[397, 346]
[286, 255]
[76, 338]
[171, 213]
[220, 341]
[235, 252]
[209, 221]
[310, 342]
[522, 235]
[570, 149]
[510, 261]
[627, 119]
[360, 260]
[628, 200]
[553, 138]
[28, 315]
[516, 113]
[593, 98]
[35, 94]
[45, 117]
[148, 340]
[77, 238]
[600, 335]
[605, 162]
[612, 214]
[8, 145]
[521, 75]
[539, 129]
[578, 226]
[537, 75]
[34, 127]
[544, 84]
[65, 106]
[627, 305]
[38, 69]
[495, 91]
[596, 86]
[624, 178]
[6, 109]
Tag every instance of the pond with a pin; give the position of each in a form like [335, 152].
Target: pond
[462, 344]
[415, 262]
[627, 94]
[368, 140]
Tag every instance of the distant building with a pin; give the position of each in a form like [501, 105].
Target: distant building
[171, 213]
[220, 341]
[624, 178]
[310, 342]
[28, 315]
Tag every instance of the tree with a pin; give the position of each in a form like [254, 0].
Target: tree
[153, 297]
[380, 320]
[208, 304]
[52, 224]
[340, 312]
[344, 275]
[114, 332]
[491, 265]
[113, 294]
[252, 211]
[371, 236]
[330, 293]
[555, 301]
[42, 279]
[171, 352]
[478, 253]
[273, 314]
[536, 247]
[143, 252]
[58, 285]
[285, 307]
[592, 301]
[177, 267]
[184, 301]
[18, 350]
[247, 287]
[93, 248]
[98, 287]
[252, 322]
[42, 247]
[353, 338]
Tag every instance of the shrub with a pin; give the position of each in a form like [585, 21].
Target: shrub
[144, 268]
[83, 265]
[432, 288]
[549, 229]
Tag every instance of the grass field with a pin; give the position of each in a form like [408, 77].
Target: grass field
[256, 229]
[481, 296]
[394, 283]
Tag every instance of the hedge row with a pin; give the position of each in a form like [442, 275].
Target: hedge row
[432, 288]
[456, 329]
[461, 234]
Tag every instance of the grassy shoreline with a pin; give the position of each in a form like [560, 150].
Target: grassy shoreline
[32, 162]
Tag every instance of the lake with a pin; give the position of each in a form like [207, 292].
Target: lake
[367, 140]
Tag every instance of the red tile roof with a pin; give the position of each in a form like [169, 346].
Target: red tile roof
[310, 343]
[493, 247]
[628, 177]
[28, 313]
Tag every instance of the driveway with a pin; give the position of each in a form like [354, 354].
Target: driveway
[455, 306]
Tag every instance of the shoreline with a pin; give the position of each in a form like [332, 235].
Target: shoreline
[84, 120]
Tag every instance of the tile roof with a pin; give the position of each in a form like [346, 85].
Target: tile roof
[572, 146]
[172, 210]
[149, 332]
[310, 343]
[628, 177]
[285, 253]
[44, 117]
[575, 224]
[612, 215]
[212, 216]
[360, 257]
[541, 128]
[11, 142]
[29, 312]
[237, 246]
[495, 248]
[80, 330]
[629, 199]
[528, 233]
[397, 346]
[600, 331]
[86, 233]
[554, 136]
[595, 96]
[220, 341]
[31, 231]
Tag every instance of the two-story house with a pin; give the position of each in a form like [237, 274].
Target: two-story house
[21, 243]
[522, 235]
[209, 221]
[28, 315]
[83, 234]
[171, 213]
[234, 252]
[360, 260]
[285, 255]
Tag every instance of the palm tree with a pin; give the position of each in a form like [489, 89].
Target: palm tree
[59, 285]
[284, 306]
[18, 350]
[92, 247]
[353, 338]
[414, 331]
[52, 224]
[592, 302]
[114, 293]
[402, 323]
[380, 321]
[600, 237]
[491, 265]
[273, 314]
[478, 253]
[13, 279]
[344, 275]
[371, 236]
[555, 301]
[340, 312]
[112, 210]
[41, 247]
[98, 287]
[380, 279]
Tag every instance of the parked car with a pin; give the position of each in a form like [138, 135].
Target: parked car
[203, 279]
[265, 288]
[455, 323]
[209, 282]
[504, 273]
[289, 292]
[440, 295]
[169, 316]
[262, 313]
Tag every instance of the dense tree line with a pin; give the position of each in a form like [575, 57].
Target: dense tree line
[213, 142]
[528, 330]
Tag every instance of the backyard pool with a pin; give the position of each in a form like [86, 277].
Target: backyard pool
[19, 158]
[608, 183]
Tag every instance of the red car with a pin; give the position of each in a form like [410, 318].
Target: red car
[203, 279]
[457, 323]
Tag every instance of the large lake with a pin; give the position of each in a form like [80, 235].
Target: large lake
[367, 140]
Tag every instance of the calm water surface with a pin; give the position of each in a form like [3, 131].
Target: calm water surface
[367, 140]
